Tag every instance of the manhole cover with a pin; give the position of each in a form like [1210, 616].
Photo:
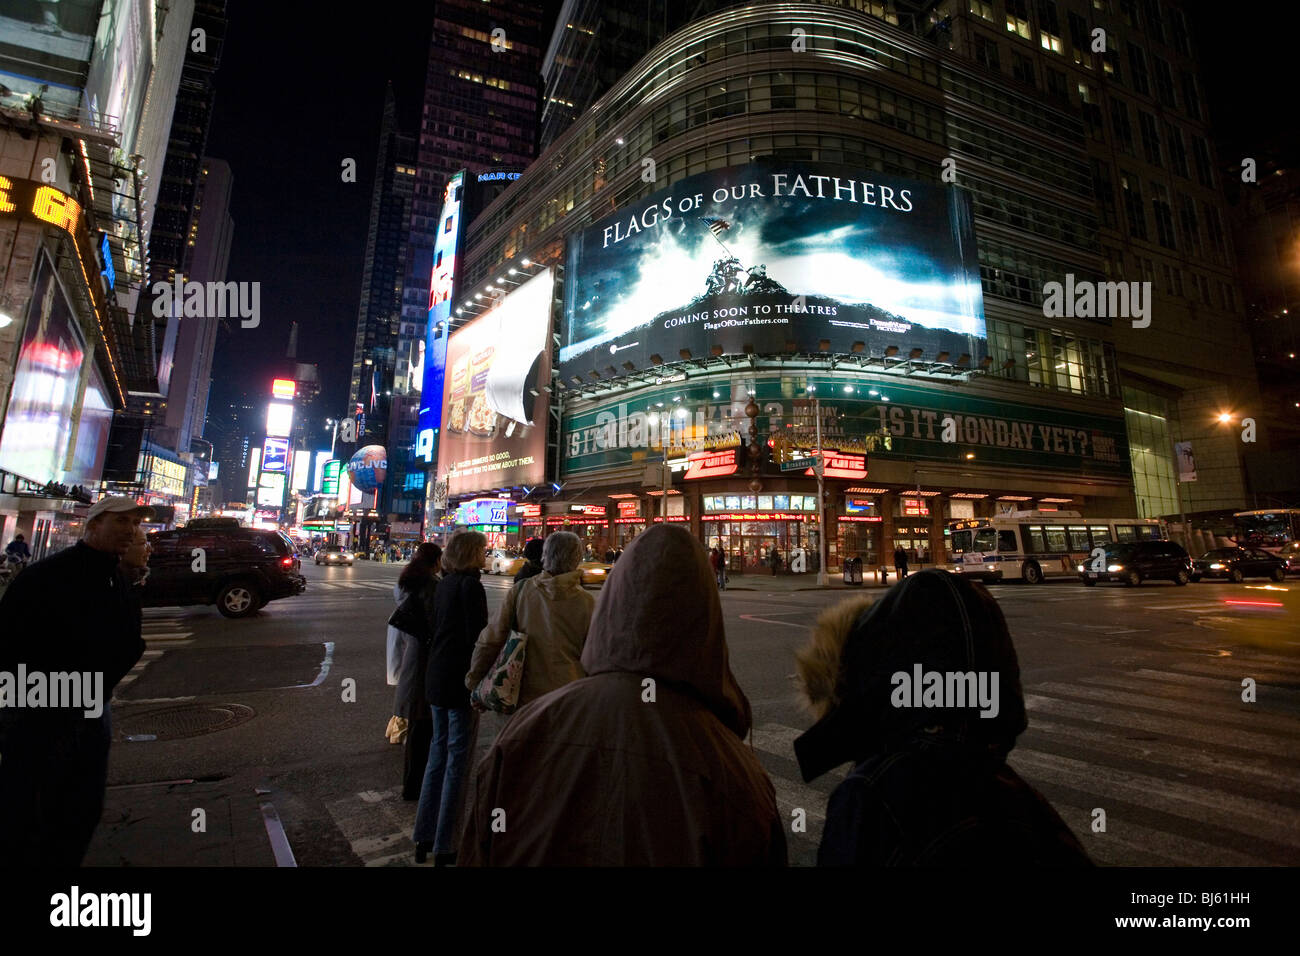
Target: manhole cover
[185, 720]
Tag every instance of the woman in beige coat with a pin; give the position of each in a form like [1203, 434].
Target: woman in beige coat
[554, 611]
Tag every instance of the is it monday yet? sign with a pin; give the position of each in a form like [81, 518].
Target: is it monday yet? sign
[902, 421]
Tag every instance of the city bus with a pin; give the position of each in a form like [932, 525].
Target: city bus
[1032, 546]
[1275, 530]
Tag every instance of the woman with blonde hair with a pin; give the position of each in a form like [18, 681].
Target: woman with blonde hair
[459, 614]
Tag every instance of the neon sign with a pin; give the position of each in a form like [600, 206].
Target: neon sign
[713, 465]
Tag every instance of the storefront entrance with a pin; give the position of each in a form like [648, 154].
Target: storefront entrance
[750, 545]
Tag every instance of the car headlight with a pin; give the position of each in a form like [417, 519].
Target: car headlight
[1114, 567]
[1216, 567]
[1079, 567]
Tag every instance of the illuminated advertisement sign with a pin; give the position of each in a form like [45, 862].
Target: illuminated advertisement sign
[301, 470]
[275, 454]
[284, 388]
[899, 422]
[167, 477]
[442, 286]
[482, 511]
[629, 509]
[39, 423]
[494, 409]
[330, 481]
[915, 507]
[106, 260]
[842, 466]
[712, 465]
[770, 254]
[279, 420]
[270, 489]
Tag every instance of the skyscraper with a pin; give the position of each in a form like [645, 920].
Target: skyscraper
[480, 112]
[378, 317]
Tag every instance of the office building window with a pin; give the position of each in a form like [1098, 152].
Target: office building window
[1190, 226]
[1049, 33]
[1164, 216]
[1119, 122]
[982, 8]
[1155, 25]
[1191, 96]
[1133, 208]
[1018, 18]
[1178, 29]
[1057, 85]
[1105, 191]
[1150, 138]
[1091, 104]
[1165, 84]
[986, 53]
[1214, 233]
[1110, 64]
[1177, 149]
[1137, 67]
[1204, 170]
[1080, 40]
[1022, 68]
[1151, 453]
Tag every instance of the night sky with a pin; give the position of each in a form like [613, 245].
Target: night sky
[296, 94]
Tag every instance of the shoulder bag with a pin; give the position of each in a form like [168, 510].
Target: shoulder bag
[498, 691]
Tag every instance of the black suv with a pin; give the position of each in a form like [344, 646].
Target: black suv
[238, 569]
[1236, 564]
[1135, 561]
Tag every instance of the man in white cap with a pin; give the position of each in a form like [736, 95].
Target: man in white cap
[72, 614]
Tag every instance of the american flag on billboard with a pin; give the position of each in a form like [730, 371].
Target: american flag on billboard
[716, 226]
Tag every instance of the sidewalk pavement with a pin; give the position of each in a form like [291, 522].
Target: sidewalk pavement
[153, 824]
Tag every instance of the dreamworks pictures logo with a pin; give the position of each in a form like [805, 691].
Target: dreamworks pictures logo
[221, 300]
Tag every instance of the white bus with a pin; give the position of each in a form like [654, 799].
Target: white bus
[1033, 545]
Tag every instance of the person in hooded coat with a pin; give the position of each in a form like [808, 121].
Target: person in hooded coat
[931, 785]
[641, 763]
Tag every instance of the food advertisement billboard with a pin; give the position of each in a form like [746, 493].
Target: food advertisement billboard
[494, 408]
[773, 254]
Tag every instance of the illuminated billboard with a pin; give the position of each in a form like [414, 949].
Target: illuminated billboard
[284, 388]
[494, 409]
[40, 420]
[774, 255]
[275, 454]
[270, 489]
[442, 283]
[279, 420]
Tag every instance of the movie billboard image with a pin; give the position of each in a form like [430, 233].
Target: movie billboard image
[493, 409]
[769, 254]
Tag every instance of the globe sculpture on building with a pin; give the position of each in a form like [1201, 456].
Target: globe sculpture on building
[369, 467]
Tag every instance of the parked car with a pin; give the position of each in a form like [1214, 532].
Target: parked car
[594, 572]
[1136, 561]
[333, 554]
[238, 569]
[1237, 564]
[503, 561]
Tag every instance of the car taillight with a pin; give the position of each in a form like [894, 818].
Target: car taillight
[287, 562]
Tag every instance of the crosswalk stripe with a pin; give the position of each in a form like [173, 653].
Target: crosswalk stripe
[1262, 675]
[1111, 744]
[1126, 843]
[1198, 680]
[1167, 726]
[1221, 712]
[1247, 815]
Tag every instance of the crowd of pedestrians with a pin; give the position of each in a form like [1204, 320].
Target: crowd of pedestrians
[624, 740]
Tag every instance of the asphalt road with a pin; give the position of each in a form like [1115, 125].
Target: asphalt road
[1134, 695]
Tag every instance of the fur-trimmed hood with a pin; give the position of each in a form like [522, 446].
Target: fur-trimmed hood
[932, 620]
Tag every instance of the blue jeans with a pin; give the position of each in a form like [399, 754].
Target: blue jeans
[442, 797]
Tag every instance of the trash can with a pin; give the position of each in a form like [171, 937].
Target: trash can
[852, 570]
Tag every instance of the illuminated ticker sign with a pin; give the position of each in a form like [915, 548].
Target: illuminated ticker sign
[713, 465]
[284, 388]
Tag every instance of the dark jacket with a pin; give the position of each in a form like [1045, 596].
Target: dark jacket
[931, 786]
[900, 558]
[527, 570]
[459, 615]
[72, 611]
[594, 774]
